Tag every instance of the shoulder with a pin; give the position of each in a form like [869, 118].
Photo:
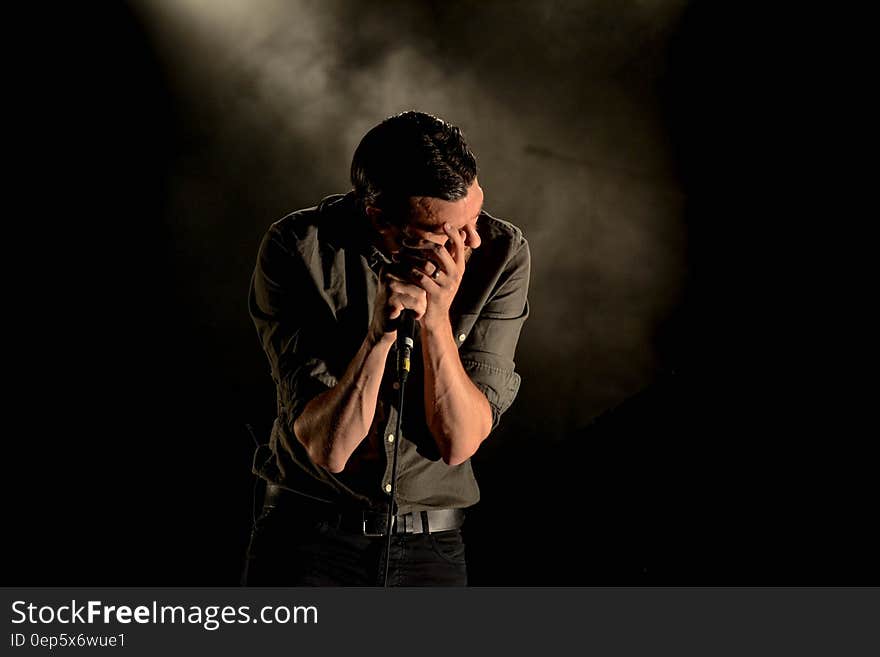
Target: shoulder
[502, 241]
[495, 230]
[305, 231]
[309, 223]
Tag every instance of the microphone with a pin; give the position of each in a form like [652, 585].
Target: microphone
[406, 330]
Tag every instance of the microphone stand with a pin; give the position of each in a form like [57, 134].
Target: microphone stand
[404, 352]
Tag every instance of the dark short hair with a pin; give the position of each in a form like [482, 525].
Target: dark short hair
[411, 154]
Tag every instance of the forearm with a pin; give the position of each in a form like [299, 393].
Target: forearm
[334, 423]
[457, 412]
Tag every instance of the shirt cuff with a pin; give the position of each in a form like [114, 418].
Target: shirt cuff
[500, 386]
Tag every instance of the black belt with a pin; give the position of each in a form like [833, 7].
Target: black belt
[368, 523]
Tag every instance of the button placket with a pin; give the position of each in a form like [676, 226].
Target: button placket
[390, 438]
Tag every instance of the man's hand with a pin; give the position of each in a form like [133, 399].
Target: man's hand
[441, 274]
[393, 297]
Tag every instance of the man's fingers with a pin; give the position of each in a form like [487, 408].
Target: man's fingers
[443, 260]
[402, 301]
[406, 288]
[424, 280]
[458, 244]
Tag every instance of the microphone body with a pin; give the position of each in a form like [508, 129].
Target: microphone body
[406, 330]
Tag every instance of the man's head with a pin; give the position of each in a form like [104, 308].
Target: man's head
[412, 173]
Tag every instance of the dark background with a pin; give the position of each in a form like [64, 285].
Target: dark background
[684, 416]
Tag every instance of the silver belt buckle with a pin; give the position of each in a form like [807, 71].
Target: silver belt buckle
[381, 531]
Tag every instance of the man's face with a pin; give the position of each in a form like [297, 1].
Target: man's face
[427, 216]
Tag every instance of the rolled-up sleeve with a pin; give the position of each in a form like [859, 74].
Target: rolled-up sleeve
[278, 305]
[488, 353]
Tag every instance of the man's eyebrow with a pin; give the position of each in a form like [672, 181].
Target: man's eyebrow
[433, 228]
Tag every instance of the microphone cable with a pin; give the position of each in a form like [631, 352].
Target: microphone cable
[404, 353]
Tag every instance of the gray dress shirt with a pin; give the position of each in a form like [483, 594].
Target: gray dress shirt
[311, 299]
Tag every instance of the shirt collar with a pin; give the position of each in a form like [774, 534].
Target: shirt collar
[354, 229]
[376, 258]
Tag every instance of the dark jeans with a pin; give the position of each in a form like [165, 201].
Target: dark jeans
[288, 549]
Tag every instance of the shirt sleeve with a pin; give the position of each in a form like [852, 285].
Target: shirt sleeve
[278, 303]
[488, 353]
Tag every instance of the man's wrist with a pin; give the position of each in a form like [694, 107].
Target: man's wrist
[436, 328]
[380, 338]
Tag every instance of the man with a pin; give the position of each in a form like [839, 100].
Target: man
[327, 295]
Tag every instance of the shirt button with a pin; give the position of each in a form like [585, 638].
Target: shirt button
[396, 385]
[461, 337]
[390, 437]
[387, 488]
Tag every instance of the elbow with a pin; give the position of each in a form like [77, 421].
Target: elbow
[458, 452]
[456, 449]
[322, 455]
[330, 462]
[456, 459]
